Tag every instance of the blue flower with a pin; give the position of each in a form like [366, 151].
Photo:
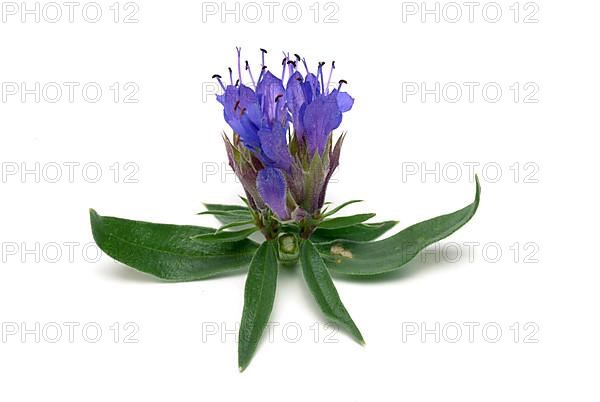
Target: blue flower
[265, 115]
[259, 116]
[316, 110]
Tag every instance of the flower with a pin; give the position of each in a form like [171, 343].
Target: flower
[282, 148]
[316, 111]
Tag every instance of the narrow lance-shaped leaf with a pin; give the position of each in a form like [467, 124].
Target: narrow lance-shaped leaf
[224, 237]
[321, 286]
[374, 258]
[235, 224]
[166, 251]
[358, 232]
[229, 216]
[259, 296]
[344, 221]
[225, 207]
[337, 209]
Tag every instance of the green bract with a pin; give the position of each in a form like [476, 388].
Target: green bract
[339, 245]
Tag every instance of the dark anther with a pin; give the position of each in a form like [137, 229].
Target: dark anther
[342, 82]
[277, 97]
[264, 67]
[321, 63]
[283, 61]
[236, 105]
[291, 62]
[237, 82]
[263, 50]
[297, 56]
[243, 111]
[247, 67]
[299, 78]
[217, 76]
[333, 64]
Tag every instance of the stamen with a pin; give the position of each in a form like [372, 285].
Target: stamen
[277, 97]
[320, 76]
[283, 64]
[263, 52]
[290, 66]
[250, 72]
[218, 77]
[342, 82]
[298, 58]
[230, 75]
[236, 105]
[262, 72]
[330, 74]
[305, 66]
[239, 53]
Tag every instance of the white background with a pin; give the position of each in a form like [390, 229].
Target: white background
[171, 137]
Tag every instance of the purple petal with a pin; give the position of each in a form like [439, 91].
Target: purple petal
[268, 90]
[242, 113]
[311, 87]
[296, 98]
[272, 189]
[320, 118]
[274, 145]
[344, 101]
[249, 136]
[236, 99]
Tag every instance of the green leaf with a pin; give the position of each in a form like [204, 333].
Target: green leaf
[358, 232]
[228, 216]
[224, 237]
[225, 207]
[321, 286]
[259, 296]
[166, 251]
[235, 224]
[290, 228]
[337, 209]
[344, 221]
[221, 213]
[374, 258]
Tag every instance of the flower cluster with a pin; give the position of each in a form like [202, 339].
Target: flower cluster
[282, 148]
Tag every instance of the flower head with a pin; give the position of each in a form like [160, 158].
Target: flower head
[282, 148]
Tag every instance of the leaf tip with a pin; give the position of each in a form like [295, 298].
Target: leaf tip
[93, 214]
[477, 193]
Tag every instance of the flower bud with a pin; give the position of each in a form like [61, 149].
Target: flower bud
[288, 247]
